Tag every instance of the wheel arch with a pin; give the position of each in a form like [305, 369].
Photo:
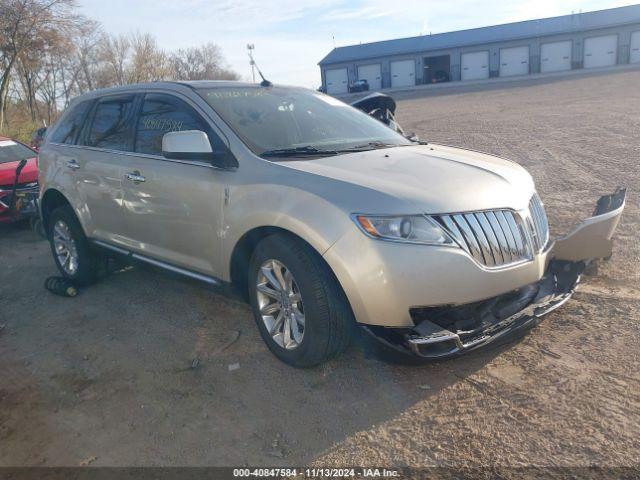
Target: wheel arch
[244, 247]
[51, 200]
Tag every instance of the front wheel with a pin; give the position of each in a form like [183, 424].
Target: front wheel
[70, 248]
[301, 311]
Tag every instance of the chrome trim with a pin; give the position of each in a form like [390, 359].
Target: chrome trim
[540, 223]
[494, 239]
[195, 163]
[489, 260]
[158, 263]
[469, 238]
[73, 165]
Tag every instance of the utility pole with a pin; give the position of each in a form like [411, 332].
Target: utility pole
[250, 48]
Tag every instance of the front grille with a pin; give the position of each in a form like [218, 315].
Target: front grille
[539, 225]
[497, 238]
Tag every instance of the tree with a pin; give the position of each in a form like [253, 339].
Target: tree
[49, 54]
[113, 52]
[148, 62]
[201, 63]
[25, 26]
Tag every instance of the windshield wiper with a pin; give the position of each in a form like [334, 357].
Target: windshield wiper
[307, 150]
[370, 146]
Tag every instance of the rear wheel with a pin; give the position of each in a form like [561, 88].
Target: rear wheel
[301, 311]
[70, 248]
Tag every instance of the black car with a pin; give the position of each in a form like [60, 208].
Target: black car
[359, 86]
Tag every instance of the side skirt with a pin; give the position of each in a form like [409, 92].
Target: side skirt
[159, 263]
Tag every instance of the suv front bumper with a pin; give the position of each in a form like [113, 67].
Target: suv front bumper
[447, 331]
[460, 318]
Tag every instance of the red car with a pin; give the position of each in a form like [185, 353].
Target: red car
[11, 153]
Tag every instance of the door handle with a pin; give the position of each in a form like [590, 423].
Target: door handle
[135, 177]
[72, 164]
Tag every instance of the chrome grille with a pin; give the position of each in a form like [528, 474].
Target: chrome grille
[497, 238]
[540, 224]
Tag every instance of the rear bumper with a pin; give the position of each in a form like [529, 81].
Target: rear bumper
[454, 329]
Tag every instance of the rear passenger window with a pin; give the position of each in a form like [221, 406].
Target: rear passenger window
[164, 113]
[71, 124]
[112, 126]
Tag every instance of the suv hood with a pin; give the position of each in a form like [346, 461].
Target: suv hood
[435, 178]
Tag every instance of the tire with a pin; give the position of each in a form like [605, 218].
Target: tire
[328, 320]
[86, 265]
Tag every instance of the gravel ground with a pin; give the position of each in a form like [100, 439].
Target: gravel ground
[111, 377]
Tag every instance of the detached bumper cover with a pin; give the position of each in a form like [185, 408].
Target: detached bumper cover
[447, 331]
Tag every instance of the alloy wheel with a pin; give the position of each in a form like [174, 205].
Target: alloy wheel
[65, 247]
[280, 304]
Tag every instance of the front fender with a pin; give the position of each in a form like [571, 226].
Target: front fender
[309, 216]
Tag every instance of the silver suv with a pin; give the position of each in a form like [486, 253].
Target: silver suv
[321, 215]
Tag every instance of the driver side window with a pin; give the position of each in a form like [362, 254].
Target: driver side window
[161, 114]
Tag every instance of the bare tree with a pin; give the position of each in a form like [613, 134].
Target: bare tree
[148, 62]
[24, 25]
[86, 58]
[201, 63]
[113, 53]
[49, 54]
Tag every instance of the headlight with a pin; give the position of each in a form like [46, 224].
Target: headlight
[406, 228]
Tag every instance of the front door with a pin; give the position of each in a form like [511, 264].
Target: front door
[173, 208]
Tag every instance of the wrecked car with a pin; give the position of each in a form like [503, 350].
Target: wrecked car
[321, 215]
[18, 182]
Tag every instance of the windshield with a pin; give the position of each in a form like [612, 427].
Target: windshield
[269, 119]
[11, 151]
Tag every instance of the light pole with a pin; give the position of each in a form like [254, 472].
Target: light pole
[250, 48]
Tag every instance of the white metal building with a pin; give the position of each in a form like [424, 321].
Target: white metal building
[583, 40]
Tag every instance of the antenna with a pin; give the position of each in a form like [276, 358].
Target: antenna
[252, 62]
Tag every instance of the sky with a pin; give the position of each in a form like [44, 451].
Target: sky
[291, 37]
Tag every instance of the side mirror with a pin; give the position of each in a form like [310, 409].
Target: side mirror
[187, 145]
[195, 145]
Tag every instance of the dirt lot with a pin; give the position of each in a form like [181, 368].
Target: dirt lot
[107, 378]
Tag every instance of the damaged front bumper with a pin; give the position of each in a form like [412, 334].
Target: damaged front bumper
[451, 330]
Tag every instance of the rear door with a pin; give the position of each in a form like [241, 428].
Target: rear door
[173, 208]
[98, 165]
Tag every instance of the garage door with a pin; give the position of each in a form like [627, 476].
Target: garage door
[635, 48]
[372, 74]
[403, 73]
[600, 51]
[475, 65]
[514, 61]
[337, 80]
[555, 57]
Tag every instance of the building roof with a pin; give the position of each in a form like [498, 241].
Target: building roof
[496, 33]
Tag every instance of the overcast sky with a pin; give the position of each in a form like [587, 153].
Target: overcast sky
[291, 37]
